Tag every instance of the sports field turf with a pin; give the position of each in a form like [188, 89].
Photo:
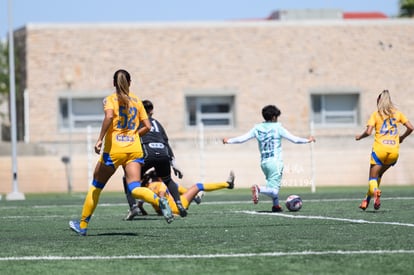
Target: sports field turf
[225, 234]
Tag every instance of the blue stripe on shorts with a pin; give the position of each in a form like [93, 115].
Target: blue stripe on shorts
[376, 159]
[107, 160]
[139, 160]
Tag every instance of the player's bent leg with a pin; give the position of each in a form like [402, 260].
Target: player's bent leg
[89, 206]
[364, 204]
[377, 201]
[198, 188]
[230, 180]
[273, 193]
[191, 192]
[373, 185]
[141, 208]
[198, 198]
[166, 210]
[255, 193]
[75, 226]
[147, 195]
[181, 189]
[130, 199]
[173, 188]
[91, 201]
[132, 213]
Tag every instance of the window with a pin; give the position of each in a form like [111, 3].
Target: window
[335, 109]
[80, 112]
[212, 111]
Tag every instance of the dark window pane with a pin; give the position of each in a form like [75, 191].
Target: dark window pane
[215, 108]
[211, 122]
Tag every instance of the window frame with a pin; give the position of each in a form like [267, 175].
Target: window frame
[326, 112]
[201, 100]
[66, 124]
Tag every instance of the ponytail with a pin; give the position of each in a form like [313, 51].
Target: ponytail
[385, 105]
[122, 80]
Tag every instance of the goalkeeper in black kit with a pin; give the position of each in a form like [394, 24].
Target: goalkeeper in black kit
[157, 154]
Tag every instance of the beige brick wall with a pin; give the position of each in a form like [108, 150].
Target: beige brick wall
[259, 62]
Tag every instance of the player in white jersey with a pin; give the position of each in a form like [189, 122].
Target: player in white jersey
[269, 136]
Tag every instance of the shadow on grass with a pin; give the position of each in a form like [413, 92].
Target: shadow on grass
[376, 211]
[115, 234]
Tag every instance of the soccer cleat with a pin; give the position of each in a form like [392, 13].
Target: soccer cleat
[377, 201]
[75, 226]
[181, 209]
[364, 204]
[230, 180]
[166, 210]
[277, 208]
[255, 193]
[132, 213]
[198, 197]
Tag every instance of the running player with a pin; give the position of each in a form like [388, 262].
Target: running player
[385, 150]
[123, 113]
[269, 136]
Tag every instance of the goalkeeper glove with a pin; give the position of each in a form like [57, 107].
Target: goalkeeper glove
[176, 170]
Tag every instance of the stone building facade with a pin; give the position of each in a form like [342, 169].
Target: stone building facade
[323, 75]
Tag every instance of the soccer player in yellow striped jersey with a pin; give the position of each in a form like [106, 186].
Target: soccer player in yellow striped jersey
[124, 112]
[385, 150]
[159, 188]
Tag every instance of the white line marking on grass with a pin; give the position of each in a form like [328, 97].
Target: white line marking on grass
[207, 256]
[324, 218]
[204, 202]
[304, 200]
[331, 200]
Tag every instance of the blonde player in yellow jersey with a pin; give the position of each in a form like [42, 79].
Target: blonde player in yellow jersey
[124, 112]
[153, 182]
[385, 149]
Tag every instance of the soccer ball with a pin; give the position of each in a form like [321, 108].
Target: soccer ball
[294, 203]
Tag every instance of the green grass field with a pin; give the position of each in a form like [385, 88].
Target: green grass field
[225, 234]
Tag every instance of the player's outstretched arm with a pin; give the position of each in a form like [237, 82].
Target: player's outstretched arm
[365, 134]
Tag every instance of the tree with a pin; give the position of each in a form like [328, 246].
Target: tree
[5, 90]
[4, 71]
[406, 8]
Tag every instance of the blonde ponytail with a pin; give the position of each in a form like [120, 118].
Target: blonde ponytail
[385, 105]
